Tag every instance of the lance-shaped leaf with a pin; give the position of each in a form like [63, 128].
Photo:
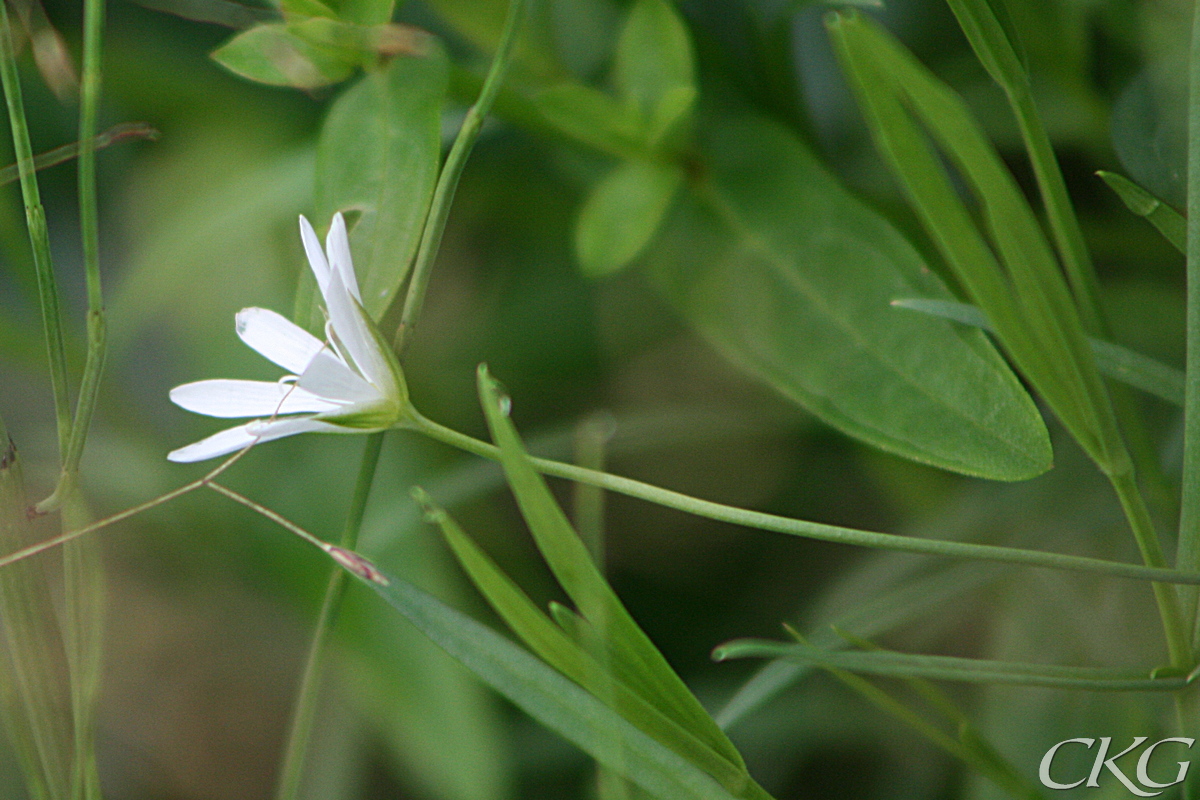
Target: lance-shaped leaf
[951, 668]
[553, 700]
[1170, 223]
[644, 669]
[1116, 362]
[790, 277]
[587, 666]
[378, 154]
[1011, 274]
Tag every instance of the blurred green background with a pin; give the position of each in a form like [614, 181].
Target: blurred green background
[210, 606]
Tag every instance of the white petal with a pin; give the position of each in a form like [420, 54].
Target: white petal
[231, 440]
[234, 398]
[351, 326]
[316, 257]
[337, 245]
[329, 377]
[266, 430]
[227, 441]
[278, 338]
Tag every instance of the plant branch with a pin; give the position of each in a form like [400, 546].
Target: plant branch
[443, 194]
[814, 530]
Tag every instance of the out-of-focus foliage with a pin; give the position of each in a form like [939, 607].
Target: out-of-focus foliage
[675, 216]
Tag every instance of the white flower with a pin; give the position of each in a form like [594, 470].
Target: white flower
[350, 383]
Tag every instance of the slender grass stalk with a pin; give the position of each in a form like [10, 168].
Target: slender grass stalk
[304, 712]
[35, 218]
[82, 567]
[443, 194]
[93, 28]
[591, 441]
[1188, 553]
[813, 530]
[296, 745]
[1177, 635]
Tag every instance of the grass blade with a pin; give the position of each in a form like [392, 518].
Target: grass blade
[950, 668]
[1170, 223]
[1114, 361]
[648, 672]
[564, 653]
[555, 701]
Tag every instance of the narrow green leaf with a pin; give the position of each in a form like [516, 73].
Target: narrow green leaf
[654, 56]
[1170, 223]
[790, 277]
[1116, 362]
[1018, 285]
[555, 701]
[269, 53]
[559, 651]
[378, 154]
[648, 673]
[950, 668]
[35, 699]
[901, 600]
[622, 214]
[594, 118]
[993, 36]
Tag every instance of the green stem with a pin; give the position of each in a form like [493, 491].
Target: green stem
[591, 443]
[35, 217]
[83, 571]
[443, 194]
[304, 712]
[1178, 637]
[1188, 553]
[812, 530]
[93, 27]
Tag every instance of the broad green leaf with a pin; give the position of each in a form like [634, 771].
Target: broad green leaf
[950, 668]
[1017, 284]
[378, 154]
[559, 651]
[594, 118]
[271, 54]
[654, 56]
[34, 695]
[646, 671]
[791, 277]
[1116, 362]
[622, 214]
[1170, 223]
[555, 701]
